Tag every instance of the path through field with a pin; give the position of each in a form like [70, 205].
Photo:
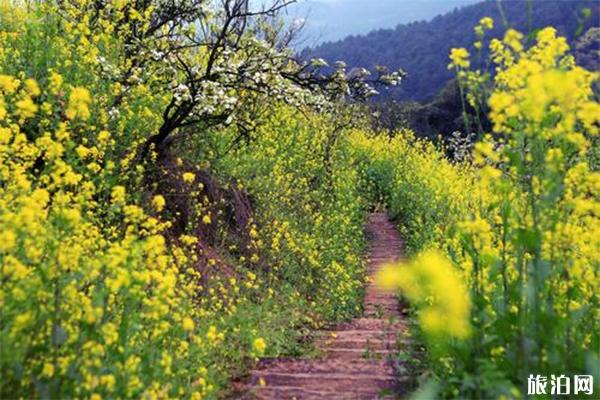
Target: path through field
[358, 356]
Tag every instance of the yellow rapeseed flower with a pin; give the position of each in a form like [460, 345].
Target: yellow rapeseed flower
[188, 177]
[8, 84]
[188, 324]
[259, 345]
[79, 101]
[3, 111]
[158, 202]
[8, 240]
[26, 108]
[48, 370]
[117, 195]
[431, 282]
[459, 58]
[487, 23]
[513, 38]
[56, 82]
[32, 87]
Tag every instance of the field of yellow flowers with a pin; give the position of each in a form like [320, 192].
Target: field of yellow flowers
[165, 278]
[505, 278]
[103, 294]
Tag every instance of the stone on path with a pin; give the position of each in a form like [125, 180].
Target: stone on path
[358, 356]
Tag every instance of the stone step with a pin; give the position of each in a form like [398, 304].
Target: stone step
[372, 324]
[300, 393]
[380, 312]
[359, 354]
[381, 256]
[358, 334]
[320, 382]
[372, 289]
[377, 300]
[326, 366]
[383, 306]
[360, 344]
[372, 313]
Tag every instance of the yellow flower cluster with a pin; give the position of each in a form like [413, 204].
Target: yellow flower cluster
[518, 226]
[311, 229]
[525, 242]
[78, 106]
[100, 299]
[75, 297]
[485, 24]
[431, 282]
[541, 81]
[459, 58]
[259, 345]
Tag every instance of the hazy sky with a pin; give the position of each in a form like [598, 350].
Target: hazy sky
[335, 19]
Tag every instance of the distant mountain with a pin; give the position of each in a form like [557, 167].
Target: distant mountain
[327, 20]
[421, 48]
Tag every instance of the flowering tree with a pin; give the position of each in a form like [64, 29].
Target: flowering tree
[209, 61]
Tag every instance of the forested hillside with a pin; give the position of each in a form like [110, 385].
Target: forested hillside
[327, 20]
[419, 48]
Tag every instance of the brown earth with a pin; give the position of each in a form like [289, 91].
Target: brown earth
[358, 359]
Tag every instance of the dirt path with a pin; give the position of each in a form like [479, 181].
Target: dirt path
[358, 356]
